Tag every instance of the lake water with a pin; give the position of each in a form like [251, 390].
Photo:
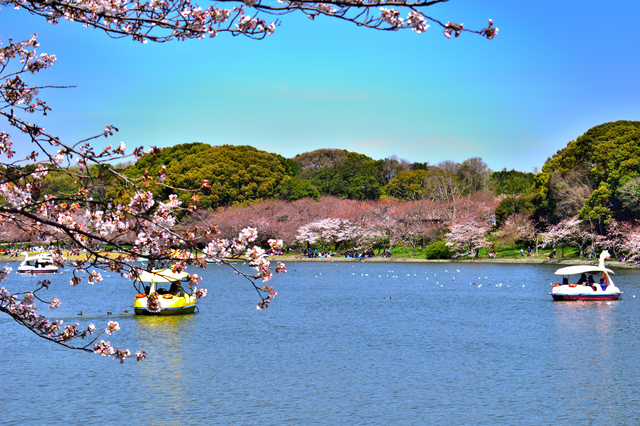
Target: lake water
[343, 343]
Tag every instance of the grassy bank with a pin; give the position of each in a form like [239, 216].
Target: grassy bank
[400, 254]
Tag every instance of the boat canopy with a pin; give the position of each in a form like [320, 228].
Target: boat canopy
[38, 254]
[161, 276]
[582, 269]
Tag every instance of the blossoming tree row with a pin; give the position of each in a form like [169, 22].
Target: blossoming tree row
[336, 224]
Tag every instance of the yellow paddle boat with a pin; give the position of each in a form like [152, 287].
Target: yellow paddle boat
[160, 292]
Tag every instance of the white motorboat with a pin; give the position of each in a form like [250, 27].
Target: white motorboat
[586, 287]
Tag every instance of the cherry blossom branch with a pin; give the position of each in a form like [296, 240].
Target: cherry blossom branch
[21, 307]
[162, 20]
[85, 220]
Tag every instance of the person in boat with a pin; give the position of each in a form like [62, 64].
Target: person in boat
[176, 289]
[590, 280]
[604, 281]
[565, 281]
[583, 279]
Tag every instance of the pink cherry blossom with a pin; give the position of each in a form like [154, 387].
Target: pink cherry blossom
[103, 348]
[55, 303]
[112, 327]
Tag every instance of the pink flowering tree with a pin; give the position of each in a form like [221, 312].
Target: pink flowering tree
[569, 231]
[580, 236]
[560, 234]
[516, 228]
[619, 237]
[465, 236]
[382, 229]
[323, 232]
[631, 243]
[421, 222]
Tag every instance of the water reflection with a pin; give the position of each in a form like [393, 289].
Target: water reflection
[586, 351]
[169, 340]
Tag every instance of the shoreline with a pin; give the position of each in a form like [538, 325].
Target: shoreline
[526, 260]
[614, 264]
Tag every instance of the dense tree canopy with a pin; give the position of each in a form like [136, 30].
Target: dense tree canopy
[356, 176]
[233, 174]
[444, 182]
[513, 182]
[310, 163]
[606, 157]
[410, 185]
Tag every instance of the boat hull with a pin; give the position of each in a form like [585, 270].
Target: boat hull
[574, 297]
[175, 311]
[580, 292]
[37, 271]
[179, 305]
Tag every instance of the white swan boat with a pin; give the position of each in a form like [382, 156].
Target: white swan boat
[586, 288]
[40, 263]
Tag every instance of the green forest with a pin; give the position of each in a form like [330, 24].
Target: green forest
[596, 176]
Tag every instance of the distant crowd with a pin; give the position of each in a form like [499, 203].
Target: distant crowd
[349, 254]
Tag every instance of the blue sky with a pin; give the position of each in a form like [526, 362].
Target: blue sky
[556, 69]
